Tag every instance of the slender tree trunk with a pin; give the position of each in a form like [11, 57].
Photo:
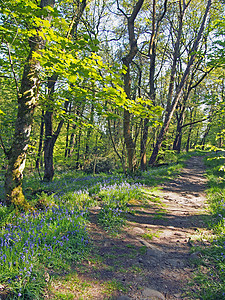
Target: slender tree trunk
[205, 135]
[127, 131]
[27, 101]
[87, 147]
[40, 143]
[189, 138]
[180, 122]
[73, 136]
[67, 134]
[78, 150]
[67, 139]
[50, 140]
[50, 137]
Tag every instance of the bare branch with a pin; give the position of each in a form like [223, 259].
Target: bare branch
[195, 122]
[201, 79]
[118, 7]
[3, 76]
[163, 14]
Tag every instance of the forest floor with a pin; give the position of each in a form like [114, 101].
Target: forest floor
[151, 257]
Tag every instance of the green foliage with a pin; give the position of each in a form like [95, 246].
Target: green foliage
[50, 238]
[211, 277]
[115, 199]
[156, 175]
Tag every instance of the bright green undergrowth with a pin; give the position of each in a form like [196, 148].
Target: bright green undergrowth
[53, 236]
[211, 275]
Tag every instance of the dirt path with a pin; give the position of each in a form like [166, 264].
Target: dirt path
[150, 258]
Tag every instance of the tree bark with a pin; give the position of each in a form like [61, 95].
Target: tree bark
[130, 144]
[87, 146]
[27, 101]
[50, 137]
[189, 138]
[178, 138]
[40, 143]
[67, 134]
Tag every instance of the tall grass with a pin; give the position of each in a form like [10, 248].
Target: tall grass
[211, 276]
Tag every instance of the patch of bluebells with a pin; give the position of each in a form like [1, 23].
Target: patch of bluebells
[115, 199]
[37, 238]
[89, 183]
[120, 194]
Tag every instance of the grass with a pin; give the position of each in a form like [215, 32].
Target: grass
[53, 237]
[150, 235]
[210, 278]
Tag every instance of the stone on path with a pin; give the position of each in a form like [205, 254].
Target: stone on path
[152, 250]
[150, 294]
[138, 230]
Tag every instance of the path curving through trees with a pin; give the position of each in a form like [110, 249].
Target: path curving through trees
[151, 258]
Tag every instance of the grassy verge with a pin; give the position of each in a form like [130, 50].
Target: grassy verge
[210, 278]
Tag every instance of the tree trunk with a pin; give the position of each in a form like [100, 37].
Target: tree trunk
[130, 145]
[180, 122]
[189, 138]
[27, 101]
[67, 139]
[79, 113]
[87, 146]
[40, 143]
[67, 134]
[205, 135]
[78, 150]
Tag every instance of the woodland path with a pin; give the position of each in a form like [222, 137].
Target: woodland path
[151, 257]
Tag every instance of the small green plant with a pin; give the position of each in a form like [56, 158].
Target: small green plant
[112, 286]
[149, 235]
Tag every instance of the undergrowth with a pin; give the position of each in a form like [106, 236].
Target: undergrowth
[210, 278]
[52, 237]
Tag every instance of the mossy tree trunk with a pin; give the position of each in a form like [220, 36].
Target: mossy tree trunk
[26, 104]
[27, 100]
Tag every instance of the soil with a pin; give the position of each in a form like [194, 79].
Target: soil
[151, 257]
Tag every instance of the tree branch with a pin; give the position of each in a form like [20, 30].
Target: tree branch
[118, 7]
[201, 79]
[3, 147]
[195, 122]
[163, 14]
[136, 10]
